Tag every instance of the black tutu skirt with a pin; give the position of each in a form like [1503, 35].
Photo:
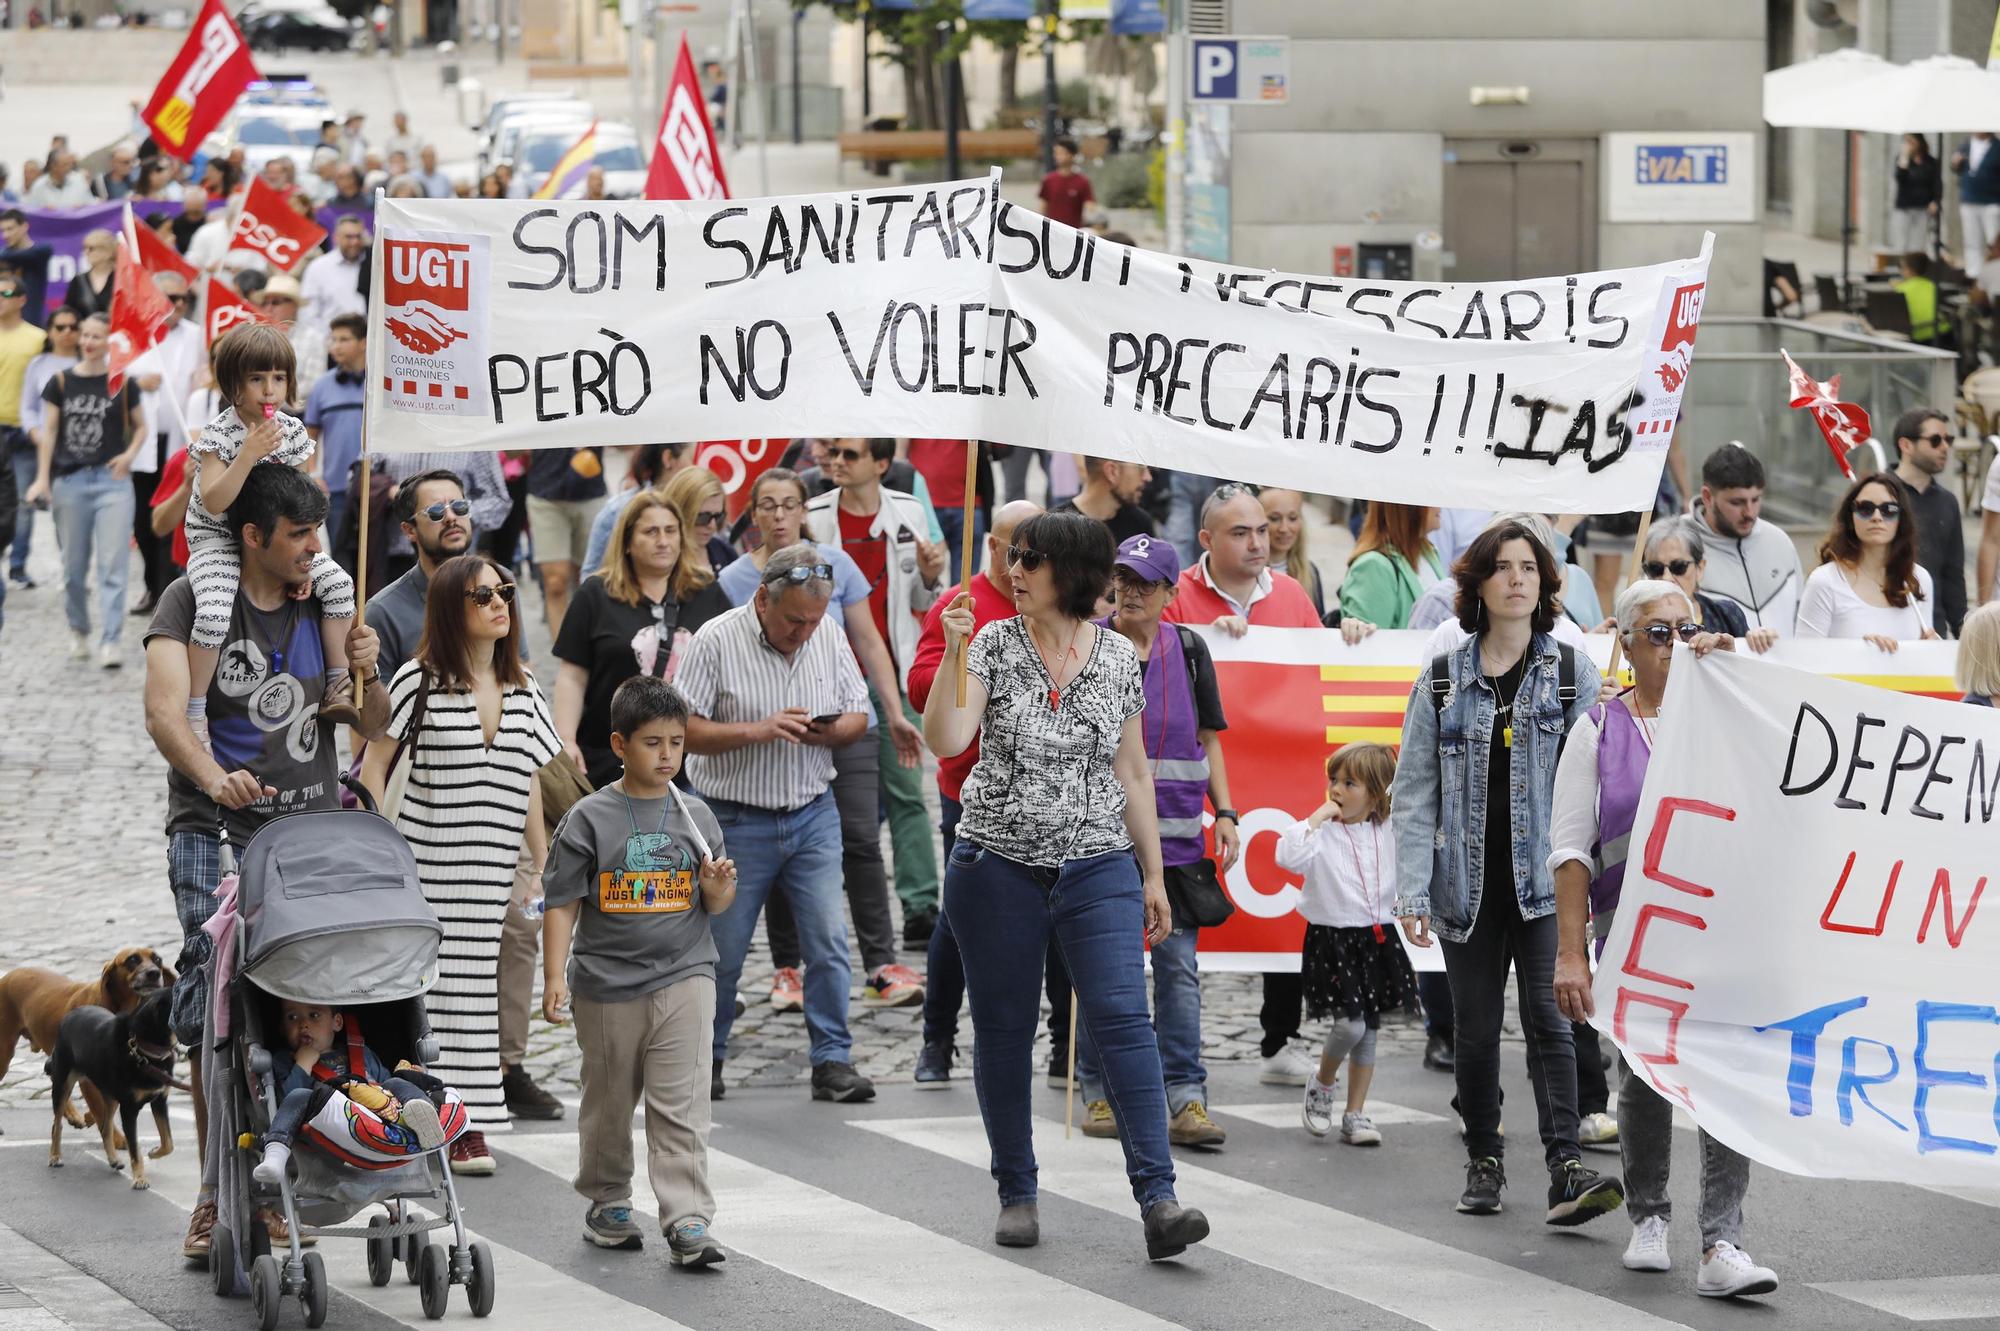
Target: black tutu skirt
[1347, 973]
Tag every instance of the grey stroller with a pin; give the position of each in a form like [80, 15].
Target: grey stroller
[328, 909]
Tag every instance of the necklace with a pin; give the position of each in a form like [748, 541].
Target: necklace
[1054, 675]
[1373, 891]
[1645, 728]
[1504, 711]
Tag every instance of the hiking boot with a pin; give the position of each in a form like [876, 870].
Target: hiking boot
[524, 1098]
[1019, 1226]
[1098, 1120]
[689, 1244]
[1171, 1227]
[893, 986]
[194, 1245]
[788, 989]
[470, 1156]
[840, 1083]
[1484, 1178]
[1578, 1194]
[934, 1067]
[1192, 1127]
[610, 1225]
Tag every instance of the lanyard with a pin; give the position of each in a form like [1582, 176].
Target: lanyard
[676, 803]
[1373, 892]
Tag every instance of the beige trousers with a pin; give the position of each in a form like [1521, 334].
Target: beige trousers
[658, 1049]
[520, 947]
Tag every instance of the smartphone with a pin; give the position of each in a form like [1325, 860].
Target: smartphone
[826, 720]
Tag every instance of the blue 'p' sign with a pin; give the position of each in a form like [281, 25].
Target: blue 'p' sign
[1215, 70]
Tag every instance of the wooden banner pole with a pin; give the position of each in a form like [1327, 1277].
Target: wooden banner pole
[966, 544]
[1069, 1094]
[1631, 576]
[367, 496]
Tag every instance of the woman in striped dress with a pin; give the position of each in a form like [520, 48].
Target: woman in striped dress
[471, 798]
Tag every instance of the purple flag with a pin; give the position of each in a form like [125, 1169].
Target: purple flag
[63, 230]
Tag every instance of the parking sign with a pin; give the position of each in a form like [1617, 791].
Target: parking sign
[1240, 69]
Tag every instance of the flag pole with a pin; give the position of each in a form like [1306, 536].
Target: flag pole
[965, 543]
[1069, 1095]
[1631, 576]
[367, 488]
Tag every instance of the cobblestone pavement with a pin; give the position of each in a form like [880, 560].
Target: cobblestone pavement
[83, 862]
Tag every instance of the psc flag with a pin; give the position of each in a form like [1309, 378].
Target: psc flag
[139, 310]
[271, 227]
[569, 173]
[1844, 425]
[206, 78]
[685, 162]
[156, 256]
[226, 310]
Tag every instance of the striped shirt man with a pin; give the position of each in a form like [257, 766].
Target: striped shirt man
[732, 675]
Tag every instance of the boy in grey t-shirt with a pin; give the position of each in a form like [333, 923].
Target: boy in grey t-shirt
[633, 874]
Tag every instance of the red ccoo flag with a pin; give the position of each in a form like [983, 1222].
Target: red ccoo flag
[685, 163]
[271, 227]
[201, 85]
[139, 310]
[226, 310]
[1843, 424]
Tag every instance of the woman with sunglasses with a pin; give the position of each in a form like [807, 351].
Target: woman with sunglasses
[1868, 584]
[631, 617]
[468, 722]
[159, 179]
[697, 496]
[1058, 835]
[1598, 783]
[1676, 553]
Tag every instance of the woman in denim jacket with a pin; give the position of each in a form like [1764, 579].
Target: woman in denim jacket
[1498, 707]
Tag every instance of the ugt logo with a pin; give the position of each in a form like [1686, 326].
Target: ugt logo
[428, 292]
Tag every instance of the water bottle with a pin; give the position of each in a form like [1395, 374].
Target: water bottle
[534, 908]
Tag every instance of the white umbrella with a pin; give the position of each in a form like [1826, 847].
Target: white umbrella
[1819, 93]
[1944, 94]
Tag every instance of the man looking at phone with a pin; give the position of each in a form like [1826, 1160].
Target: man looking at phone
[771, 693]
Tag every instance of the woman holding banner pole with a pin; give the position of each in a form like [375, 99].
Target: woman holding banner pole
[1596, 804]
[1473, 788]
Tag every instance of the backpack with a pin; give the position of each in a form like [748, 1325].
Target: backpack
[1439, 679]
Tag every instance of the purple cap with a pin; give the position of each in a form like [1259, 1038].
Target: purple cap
[1151, 558]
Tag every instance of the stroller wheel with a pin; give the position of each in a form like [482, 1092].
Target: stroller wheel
[479, 1285]
[265, 1295]
[381, 1253]
[259, 1235]
[435, 1286]
[313, 1297]
[222, 1261]
[412, 1251]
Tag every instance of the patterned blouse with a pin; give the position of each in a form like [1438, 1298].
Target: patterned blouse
[1045, 790]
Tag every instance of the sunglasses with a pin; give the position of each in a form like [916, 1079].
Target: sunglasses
[1661, 634]
[458, 508]
[1935, 438]
[70, 327]
[770, 506]
[1678, 567]
[184, 298]
[710, 518]
[848, 454]
[802, 574]
[8, 293]
[1029, 560]
[1888, 508]
[483, 596]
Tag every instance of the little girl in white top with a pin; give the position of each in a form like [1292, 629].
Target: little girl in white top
[1354, 965]
[254, 368]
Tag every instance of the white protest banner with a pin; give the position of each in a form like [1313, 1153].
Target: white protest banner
[1798, 957]
[938, 311]
[1292, 696]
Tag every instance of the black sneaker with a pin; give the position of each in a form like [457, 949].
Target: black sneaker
[934, 1067]
[1578, 1194]
[1059, 1065]
[1439, 1056]
[22, 580]
[716, 1089]
[918, 928]
[1484, 1178]
[524, 1098]
[840, 1083]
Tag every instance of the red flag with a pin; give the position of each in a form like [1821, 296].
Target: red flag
[271, 227]
[139, 310]
[1843, 424]
[739, 462]
[685, 162]
[201, 85]
[226, 309]
[156, 256]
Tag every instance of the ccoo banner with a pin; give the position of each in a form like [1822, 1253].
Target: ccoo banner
[1270, 678]
[943, 312]
[1798, 957]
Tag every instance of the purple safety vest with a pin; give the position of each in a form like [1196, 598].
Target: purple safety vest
[1622, 757]
[1173, 743]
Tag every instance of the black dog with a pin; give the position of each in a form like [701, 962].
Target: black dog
[130, 1059]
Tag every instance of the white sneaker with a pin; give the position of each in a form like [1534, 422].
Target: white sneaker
[1359, 1130]
[1290, 1066]
[109, 656]
[1318, 1110]
[79, 646]
[1648, 1249]
[1728, 1273]
[1597, 1132]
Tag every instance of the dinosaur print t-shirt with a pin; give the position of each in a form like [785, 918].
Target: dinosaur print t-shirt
[263, 712]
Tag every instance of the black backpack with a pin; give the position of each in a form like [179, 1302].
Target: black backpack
[1439, 679]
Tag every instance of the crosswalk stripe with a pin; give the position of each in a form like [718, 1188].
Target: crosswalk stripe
[69, 1300]
[901, 1268]
[1441, 1287]
[1924, 1298]
[530, 1295]
[1286, 1115]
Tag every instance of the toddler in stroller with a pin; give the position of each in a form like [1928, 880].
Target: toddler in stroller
[409, 1099]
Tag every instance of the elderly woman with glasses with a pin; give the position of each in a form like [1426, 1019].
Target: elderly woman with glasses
[1869, 584]
[1058, 835]
[1676, 552]
[1598, 782]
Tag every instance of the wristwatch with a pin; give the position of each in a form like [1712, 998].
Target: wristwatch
[1230, 814]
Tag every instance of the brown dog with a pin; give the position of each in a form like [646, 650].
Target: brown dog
[34, 1001]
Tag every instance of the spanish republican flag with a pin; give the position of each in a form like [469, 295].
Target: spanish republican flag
[567, 177]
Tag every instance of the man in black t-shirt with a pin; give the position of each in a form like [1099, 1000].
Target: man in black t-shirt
[1110, 493]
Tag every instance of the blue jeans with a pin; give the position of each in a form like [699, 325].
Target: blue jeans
[336, 509]
[799, 852]
[1176, 1020]
[1004, 913]
[93, 511]
[952, 520]
[1184, 514]
[24, 464]
[944, 972]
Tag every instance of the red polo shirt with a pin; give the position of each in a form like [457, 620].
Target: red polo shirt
[1063, 195]
[989, 603]
[1285, 606]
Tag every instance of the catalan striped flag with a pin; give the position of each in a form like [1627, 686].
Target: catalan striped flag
[568, 176]
[1365, 704]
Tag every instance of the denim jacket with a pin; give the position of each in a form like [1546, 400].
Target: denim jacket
[1439, 796]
